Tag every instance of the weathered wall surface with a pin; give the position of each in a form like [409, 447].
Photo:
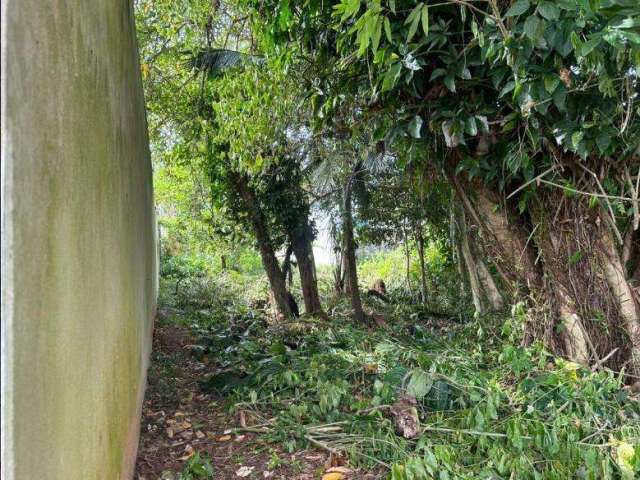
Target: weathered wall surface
[78, 236]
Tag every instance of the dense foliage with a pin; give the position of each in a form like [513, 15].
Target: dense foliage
[456, 158]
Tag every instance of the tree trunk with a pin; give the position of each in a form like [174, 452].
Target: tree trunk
[582, 303]
[351, 274]
[267, 253]
[304, 255]
[489, 286]
[287, 271]
[423, 270]
[223, 262]
[455, 240]
[622, 292]
[472, 271]
[407, 259]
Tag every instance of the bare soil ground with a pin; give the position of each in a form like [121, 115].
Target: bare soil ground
[179, 421]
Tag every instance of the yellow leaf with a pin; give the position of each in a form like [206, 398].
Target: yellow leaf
[224, 438]
[625, 453]
[333, 476]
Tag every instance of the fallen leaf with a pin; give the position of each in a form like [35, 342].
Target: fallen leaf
[239, 438]
[245, 471]
[199, 434]
[333, 476]
[224, 438]
[344, 470]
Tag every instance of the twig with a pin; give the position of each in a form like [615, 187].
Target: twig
[582, 192]
[470, 432]
[599, 363]
[535, 179]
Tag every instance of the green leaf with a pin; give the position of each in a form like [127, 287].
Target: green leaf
[590, 45]
[387, 29]
[518, 8]
[576, 138]
[559, 98]
[420, 384]
[471, 127]
[415, 126]
[531, 28]
[415, 22]
[507, 88]
[603, 141]
[438, 72]
[551, 82]
[391, 77]
[425, 20]
[450, 83]
[549, 10]
[376, 33]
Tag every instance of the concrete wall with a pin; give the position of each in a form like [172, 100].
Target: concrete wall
[79, 263]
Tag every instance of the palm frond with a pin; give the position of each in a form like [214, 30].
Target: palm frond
[215, 60]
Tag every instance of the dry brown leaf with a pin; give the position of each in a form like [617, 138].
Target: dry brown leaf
[224, 438]
[199, 434]
[170, 432]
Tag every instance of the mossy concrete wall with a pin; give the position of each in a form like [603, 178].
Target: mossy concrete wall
[79, 270]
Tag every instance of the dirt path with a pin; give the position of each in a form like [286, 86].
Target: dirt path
[181, 423]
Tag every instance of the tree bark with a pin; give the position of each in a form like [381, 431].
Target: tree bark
[472, 271]
[351, 274]
[267, 253]
[286, 265]
[304, 255]
[627, 306]
[489, 287]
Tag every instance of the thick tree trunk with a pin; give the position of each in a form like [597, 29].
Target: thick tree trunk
[304, 255]
[351, 277]
[267, 253]
[623, 293]
[583, 304]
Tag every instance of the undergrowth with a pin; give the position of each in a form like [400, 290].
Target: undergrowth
[488, 407]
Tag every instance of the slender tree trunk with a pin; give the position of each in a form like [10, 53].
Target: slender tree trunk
[472, 271]
[287, 271]
[423, 270]
[304, 255]
[338, 280]
[489, 286]
[223, 262]
[350, 253]
[454, 235]
[267, 253]
[407, 259]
